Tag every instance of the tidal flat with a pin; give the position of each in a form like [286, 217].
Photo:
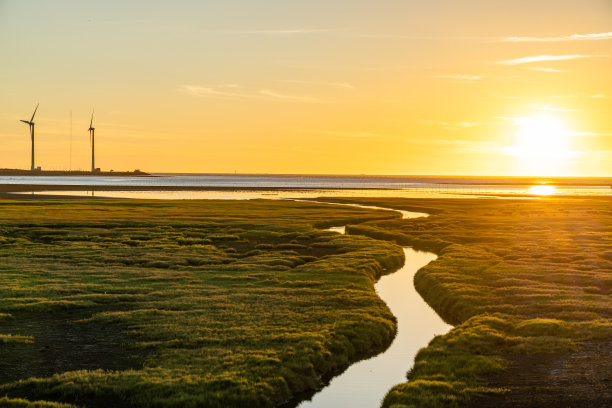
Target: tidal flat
[182, 304]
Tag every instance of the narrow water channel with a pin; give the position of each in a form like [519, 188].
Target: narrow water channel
[365, 383]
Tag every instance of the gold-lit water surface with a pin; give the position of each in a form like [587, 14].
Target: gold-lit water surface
[542, 190]
[441, 191]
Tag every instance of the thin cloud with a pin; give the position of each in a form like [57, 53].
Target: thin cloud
[391, 36]
[516, 119]
[457, 146]
[332, 84]
[568, 96]
[221, 91]
[573, 37]
[450, 125]
[117, 22]
[460, 77]
[540, 69]
[291, 98]
[591, 134]
[290, 31]
[358, 134]
[517, 151]
[387, 36]
[215, 91]
[549, 108]
[522, 98]
[539, 58]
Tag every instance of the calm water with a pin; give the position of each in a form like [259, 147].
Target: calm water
[365, 383]
[258, 181]
[282, 187]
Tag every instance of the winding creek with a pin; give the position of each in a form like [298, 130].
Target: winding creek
[365, 383]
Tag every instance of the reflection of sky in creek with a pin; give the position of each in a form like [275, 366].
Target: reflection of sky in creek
[365, 383]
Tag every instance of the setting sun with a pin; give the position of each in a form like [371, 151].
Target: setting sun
[543, 146]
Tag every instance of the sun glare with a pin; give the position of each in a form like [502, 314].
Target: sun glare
[542, 146]
[542, 190]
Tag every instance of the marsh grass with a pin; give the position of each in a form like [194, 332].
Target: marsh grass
[23, 403]
[516, 277]
[224, 303]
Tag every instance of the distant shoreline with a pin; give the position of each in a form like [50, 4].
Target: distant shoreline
[56, 173]
[18, 188]
[365, 178]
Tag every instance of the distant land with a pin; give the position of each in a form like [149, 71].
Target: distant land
[55, 173]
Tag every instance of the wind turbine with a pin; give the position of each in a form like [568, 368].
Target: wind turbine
[31, 124]
[92, 140]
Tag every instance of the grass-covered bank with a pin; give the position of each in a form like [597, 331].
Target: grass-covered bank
[183, 304]
[528, 284]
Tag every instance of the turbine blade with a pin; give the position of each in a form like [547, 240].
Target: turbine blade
[24, 121]
[34, 112]
[91, 122]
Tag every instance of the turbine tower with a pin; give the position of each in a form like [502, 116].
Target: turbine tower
[92, 140]
[31, 124]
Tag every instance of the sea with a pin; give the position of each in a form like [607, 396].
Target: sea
[252, 186]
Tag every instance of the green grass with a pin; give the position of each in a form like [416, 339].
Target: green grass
[22, 403]
[211, 304]
[516, 277]
[225, 303]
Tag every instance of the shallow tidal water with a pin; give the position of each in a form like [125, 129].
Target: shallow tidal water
[242, 187]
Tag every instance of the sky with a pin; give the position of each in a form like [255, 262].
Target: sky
[442, 87]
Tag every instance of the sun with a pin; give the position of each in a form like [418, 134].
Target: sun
[542, 146]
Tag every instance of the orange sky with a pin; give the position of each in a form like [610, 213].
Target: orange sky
[335, 86]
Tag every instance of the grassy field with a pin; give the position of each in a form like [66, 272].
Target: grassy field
[183, 304]
[226, 303]
[528, 284]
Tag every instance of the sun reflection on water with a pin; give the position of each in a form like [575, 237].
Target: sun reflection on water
[542, 190]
